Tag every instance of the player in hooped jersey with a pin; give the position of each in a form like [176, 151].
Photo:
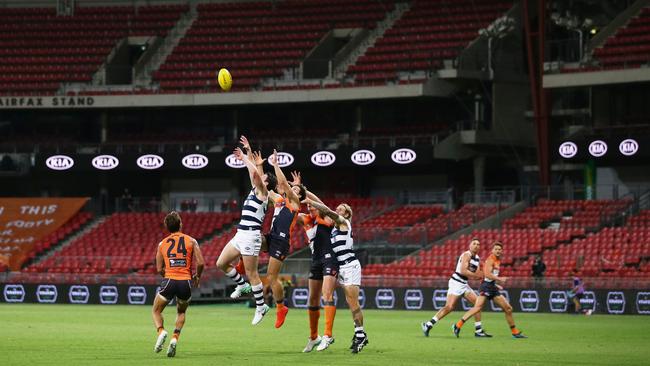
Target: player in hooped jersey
[489, 290]
[349, 269]
[467, 267]
[175, 256]
[248, 241]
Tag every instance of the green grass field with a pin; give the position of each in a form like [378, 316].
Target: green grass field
[222, 335]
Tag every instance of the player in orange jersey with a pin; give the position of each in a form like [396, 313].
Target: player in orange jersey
[175, 256]
[489, 290]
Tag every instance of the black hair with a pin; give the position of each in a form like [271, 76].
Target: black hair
[272, 181]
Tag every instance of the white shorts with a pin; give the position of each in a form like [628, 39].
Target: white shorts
[350, 274]
[457, 288]
[247, 242]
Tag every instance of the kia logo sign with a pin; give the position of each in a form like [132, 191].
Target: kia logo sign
[363, 157]
[105, 162]
[14, 293]
[233, 162]
[195, 161]
[137, 295]
[300, 297]
[59, 162]
[385, 298]
[150, 162]
[46, 293]
[529, 301]
[568, 150]
[403, 156]
[108, 295]
[284, 159]
[628, 147]
[413, 299]
[323, 158]
[598, 148]
[78, 294]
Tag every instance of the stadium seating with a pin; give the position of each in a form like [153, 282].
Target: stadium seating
[567, 247]
[39, 50]
[70, 227]
[257, 40]
[427, 34]
[628, 48]
[125, 243]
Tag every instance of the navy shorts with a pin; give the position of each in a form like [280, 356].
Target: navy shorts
[180, 289]
[489, 290]
[323, 267]
[278, 249]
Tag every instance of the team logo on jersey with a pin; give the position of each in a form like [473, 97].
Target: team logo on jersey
[643, 302]
[137, 295]
[363, 157]
[108, 295]
[598, 148]
[413, 299]
[439, 299]
[615, 302]
[195, 161]
[105, 162]
[78, 294]
[558, 301]
[588, 301]
[284, 159]
[529, 301]
[323, 158]
[496, 307]
[403, 156]
[568, 149]
[14, 293]
[335, 298]
[46, 293]
[300, 297]
[385, 298]
[233, 162]
[628, 147]
[150, 162]
[59, 162]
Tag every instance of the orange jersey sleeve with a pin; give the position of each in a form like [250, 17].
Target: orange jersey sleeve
[177, 250]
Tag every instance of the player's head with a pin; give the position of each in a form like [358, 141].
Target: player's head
[474, 245]
[344, 210]
[497, 248]
[300, 191]
[271, 181]
[173, 222]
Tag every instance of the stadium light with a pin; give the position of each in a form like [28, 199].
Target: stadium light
[499, 29]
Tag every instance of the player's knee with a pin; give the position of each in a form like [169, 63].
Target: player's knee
[328, 297]
[508, 309]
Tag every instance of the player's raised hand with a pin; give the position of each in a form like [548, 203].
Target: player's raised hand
[244, 141]
[257, 158]
[296, 178]
[274, 158]
[239, 154]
